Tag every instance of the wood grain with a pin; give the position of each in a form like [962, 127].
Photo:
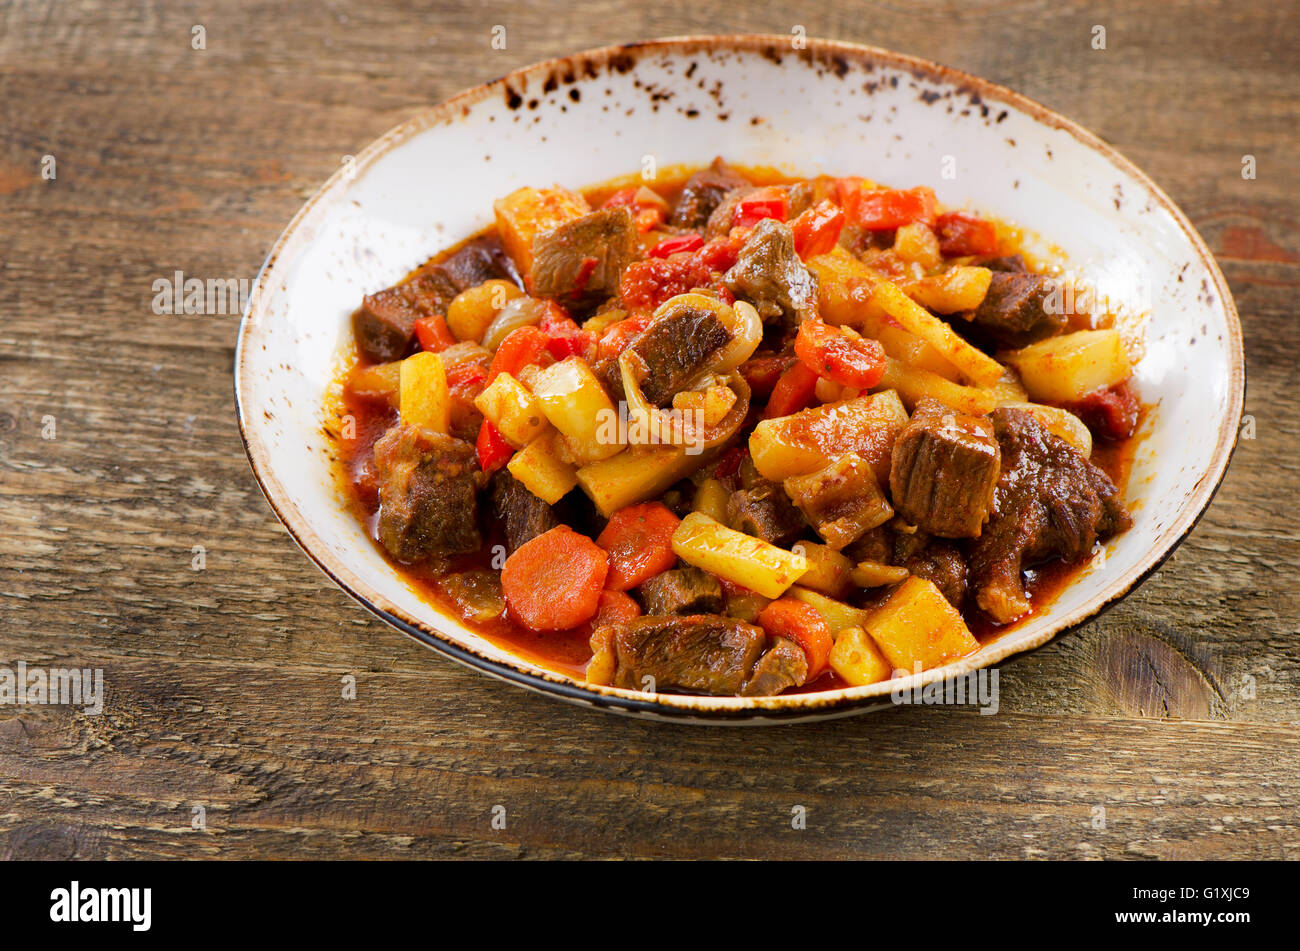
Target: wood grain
[1175, 713]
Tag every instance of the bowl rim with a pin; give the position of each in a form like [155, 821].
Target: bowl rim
[706, 709]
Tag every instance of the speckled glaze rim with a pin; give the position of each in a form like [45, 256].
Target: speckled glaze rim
[757, 710]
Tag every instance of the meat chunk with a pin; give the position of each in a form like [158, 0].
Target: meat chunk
[841, 501]
[428, 493]
[682, 591]
[1019, 309]
[702, 653]
[580, 262]
[943, 470]
[384, 324]
[769, 274]
[783, 665]
[523, 515]
[703, 192]
[1050, 502]
[766, 512]
[672, 351]
[935, 559]
[1009, 262]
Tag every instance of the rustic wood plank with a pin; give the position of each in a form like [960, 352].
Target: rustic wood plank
[1174, 712]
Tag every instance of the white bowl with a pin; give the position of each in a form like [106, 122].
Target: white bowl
[830, 108]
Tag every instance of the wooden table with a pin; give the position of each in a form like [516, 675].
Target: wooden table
[224, 686]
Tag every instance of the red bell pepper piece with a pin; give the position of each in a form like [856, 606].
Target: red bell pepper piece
[493, 451]
[674, 245]
[433, 333]
[466, 376]
[522, 346]
[817, 230]
[762, 203]
[960, 235]
[883, 209]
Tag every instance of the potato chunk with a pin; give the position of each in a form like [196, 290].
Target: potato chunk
[803, 442]
[1067, 368]
[917, 625]
[857, 660]
[736, 557]
[527, 212]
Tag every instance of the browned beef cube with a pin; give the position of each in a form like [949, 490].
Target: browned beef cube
[943, 470]
[703, 192]
[384, 325]
[1018, 309]
[428, 493]
[581, 261]
[782, 665]
[765, 512]
[698, 654]
[1050, 502]
[841, 501]
[674, 349]
[523, 515]
[681, 591]
[1009, 262]
[769, 274]
[935, 559]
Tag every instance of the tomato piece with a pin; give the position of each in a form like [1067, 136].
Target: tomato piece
[761, 373]
[793, 391]
[622, 197]
[681, 242]
[564, 337]
[761, 203]
[817, 230]
[639, 540]
[884, 209]
[1111, 413]
[493, 450]
[840, 357]
[647, 284]
[960, 235]
[433, 333]
[721, 253]
[522, 346]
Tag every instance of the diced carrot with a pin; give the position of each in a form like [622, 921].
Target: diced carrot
[554, 581]
[433, 333]
[639, 540]
[803, 624]
[793, 392]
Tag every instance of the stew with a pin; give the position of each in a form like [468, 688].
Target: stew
[736, 434]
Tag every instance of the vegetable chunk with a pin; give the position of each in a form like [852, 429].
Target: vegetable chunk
[917, 625]
[553, 582]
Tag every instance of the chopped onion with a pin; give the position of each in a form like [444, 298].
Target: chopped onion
[672, 426]
[520, 312]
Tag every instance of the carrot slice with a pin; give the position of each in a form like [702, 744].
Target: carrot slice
[553, 582]
[803, 624]
[639, 540]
